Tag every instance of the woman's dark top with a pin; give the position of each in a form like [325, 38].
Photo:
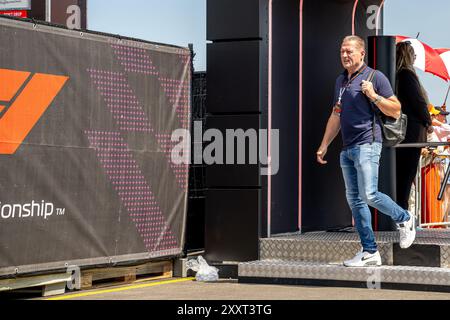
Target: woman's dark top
[413, 105]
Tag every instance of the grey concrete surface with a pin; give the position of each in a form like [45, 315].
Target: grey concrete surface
[231, 290]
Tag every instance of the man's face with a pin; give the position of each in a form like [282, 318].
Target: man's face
[351, 55]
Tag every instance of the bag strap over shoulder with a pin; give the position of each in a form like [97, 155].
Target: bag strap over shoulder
[370, 78]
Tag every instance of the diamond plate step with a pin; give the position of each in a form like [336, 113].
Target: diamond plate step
[270, 271]
[317, 250]
[323, 247]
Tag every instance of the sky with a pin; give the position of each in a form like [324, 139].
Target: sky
[432, 19]
[177, 22]
[181, 22]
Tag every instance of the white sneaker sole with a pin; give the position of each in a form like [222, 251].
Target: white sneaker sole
[365, 264]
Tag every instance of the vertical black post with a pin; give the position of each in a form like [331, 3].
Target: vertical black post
[381, 55]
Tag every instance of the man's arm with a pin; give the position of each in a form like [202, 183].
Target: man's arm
[389, 106]
[332, 130]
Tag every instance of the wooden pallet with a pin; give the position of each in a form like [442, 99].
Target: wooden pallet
[55, 284]
[51, 285]
[95, 278]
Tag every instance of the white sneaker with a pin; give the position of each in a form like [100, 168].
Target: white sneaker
[364, 259]
[407, 232]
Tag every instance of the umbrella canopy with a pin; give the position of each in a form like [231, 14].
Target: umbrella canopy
[445, 56]
[427, 58]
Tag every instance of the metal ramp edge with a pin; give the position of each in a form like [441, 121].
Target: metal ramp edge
[275, 271]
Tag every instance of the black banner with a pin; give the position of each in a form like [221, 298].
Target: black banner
[85, 148]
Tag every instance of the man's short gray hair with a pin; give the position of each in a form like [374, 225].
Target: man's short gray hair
[360, 43]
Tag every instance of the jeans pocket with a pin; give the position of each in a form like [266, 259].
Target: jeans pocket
[378, 147]
[376, 152]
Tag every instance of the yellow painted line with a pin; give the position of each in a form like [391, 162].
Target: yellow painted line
[133, 287]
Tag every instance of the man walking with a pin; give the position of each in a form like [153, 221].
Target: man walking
[353, 115]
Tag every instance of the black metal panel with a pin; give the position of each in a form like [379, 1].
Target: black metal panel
[62, 13]
[326, 23]
[227, 270]
[322, 182]
[235, 19]
[195, 224]
[285, 114]
[232, 225]
[381, 54]
[38, 10]
[233, 77]
[217, 175]
[418, 256]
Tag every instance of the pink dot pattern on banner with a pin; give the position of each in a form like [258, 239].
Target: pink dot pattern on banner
[134, 60]
[177, 91]
[137, 60]
[181, 171]
[121, 101]
[130, 116]
[184, 57]
[133, 190]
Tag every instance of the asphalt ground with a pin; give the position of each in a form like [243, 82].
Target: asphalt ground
[189, 289]
[187, 299]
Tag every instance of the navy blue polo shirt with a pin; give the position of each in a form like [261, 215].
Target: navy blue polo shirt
[357, 115]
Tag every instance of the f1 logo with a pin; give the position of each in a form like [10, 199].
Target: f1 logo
[24, 98]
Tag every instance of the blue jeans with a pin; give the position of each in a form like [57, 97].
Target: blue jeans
[360, 167]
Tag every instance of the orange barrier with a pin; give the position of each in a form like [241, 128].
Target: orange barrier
[432, 209]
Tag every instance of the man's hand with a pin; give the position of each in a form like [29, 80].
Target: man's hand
[368, 90]
[321, 154]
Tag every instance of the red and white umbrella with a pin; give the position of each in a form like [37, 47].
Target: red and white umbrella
[445, 56]
[428, 59]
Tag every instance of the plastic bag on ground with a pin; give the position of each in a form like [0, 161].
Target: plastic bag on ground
[205, 273]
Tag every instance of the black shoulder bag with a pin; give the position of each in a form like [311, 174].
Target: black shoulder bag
[394, 130]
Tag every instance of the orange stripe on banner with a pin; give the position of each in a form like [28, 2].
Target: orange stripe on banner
[26, 111]
[2, 108]
[10, 83]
